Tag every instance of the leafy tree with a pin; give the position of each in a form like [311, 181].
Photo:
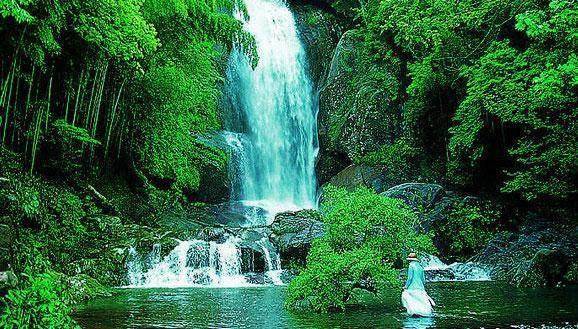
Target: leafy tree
[467, 228]
[533, 94]
[367, 237]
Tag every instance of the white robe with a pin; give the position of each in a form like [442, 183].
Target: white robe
[414, 297]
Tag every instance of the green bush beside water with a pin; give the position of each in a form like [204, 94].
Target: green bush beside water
[367, 238]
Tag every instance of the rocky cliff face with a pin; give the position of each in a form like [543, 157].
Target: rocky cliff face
[358, 106]
[320, 32]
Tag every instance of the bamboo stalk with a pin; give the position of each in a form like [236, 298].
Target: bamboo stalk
[49, 99]
[66, 107]
[89, 109]
[7, 101]
[27, 106]
[35, 138]
[77, 97]
[14, 115]
[112, 117]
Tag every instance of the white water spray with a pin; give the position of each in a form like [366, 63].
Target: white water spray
[198, 263]
[436, 270]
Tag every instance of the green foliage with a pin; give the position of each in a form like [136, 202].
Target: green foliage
[467, 228]
[179, 103]
[367, 234]
[12, 8]
[48, 220]
[398, 158]
[69, 145]
[535, 91]
[114, 72]
[116, 28]
[41, 303]
[72, 134]
[490, 87]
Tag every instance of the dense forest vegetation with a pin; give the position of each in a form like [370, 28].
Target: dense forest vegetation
[479, 96]
[483, 91]
[108, 109]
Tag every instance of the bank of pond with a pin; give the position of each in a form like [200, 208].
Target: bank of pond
[460, 305]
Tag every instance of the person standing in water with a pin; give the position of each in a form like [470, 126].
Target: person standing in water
[414, 297]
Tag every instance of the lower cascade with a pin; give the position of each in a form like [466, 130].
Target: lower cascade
[200, 263]
[436, 270]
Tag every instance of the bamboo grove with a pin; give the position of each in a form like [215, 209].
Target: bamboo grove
[73, 77]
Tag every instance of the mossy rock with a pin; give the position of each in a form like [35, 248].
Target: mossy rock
[359, 103]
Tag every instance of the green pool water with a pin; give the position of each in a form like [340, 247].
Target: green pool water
[461, 305]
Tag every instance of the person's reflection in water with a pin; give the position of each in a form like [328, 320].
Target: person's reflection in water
[418, 323]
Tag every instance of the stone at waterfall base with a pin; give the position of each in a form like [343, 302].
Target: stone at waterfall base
[293, 232]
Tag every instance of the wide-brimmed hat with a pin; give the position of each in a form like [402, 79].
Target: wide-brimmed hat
[412, 256]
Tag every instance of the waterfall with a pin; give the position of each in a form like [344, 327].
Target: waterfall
[196, 263]
[272, 132]
[274, 114]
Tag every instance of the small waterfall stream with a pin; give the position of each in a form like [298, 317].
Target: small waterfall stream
[200, 263]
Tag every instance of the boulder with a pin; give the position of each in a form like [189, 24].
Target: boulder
[359, 108]
[319, 30]
[215, 183]
[540, 254]
[238, 214]
[357, 175]
[293, 232]
[419, 196]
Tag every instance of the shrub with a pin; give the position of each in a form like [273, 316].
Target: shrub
[367, 236]
[467, 228]
[42, 303]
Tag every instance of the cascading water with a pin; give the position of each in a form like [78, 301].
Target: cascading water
[436, 270]
[192, 263]
[274, 143]
[274, 114]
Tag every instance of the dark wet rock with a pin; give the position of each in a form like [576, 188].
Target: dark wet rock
[237, 214]
[319, 31]
[431, 202]
[255, 278]
[541, 253]
[214, 185]
[217, 234]
[252, 260]
[357, 175]
[293, 232]
[419, 196]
